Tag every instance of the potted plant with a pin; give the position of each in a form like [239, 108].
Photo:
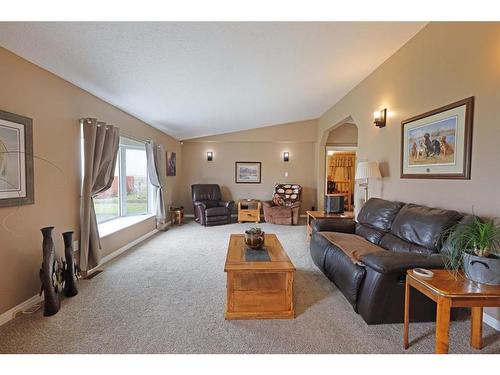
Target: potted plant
[474, 246]
[254, 238]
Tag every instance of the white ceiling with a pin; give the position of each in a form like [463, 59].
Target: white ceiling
[196, 79]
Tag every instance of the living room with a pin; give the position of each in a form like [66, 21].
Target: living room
[249, 188]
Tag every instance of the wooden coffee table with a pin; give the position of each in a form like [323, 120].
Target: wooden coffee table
[259, 289]
[449, 290]
[313, 215]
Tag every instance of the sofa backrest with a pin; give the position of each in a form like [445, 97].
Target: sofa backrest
[419, 229]
[375, 218]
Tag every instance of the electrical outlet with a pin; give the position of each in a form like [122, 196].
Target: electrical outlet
[75, 245]
[286, 174]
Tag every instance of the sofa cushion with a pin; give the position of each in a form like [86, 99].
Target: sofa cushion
[379, 214]
[423, 226]
[396, 244]
[354, 246]
[368, 233]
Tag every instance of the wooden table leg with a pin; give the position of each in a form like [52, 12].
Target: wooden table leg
[476, 327]
[442, 325]
[308, 226]
[407, 314]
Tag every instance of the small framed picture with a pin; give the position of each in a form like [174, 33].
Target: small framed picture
[16, 160]
[248, 172]
[171, 163]
[438, 144]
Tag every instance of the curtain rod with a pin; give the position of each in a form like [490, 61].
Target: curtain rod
[83, 120]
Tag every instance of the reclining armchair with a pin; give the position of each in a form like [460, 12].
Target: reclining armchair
[285, 205]
[209, 208]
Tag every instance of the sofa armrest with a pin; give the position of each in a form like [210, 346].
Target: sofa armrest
[227, 204]
[389, 262]
[267, 203]
[334, 225]
[295, 205]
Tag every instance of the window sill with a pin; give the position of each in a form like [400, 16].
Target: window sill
[115, 225]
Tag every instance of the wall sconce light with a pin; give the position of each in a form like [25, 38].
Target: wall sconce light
[286, 156]
[210, 156]
[379, 118]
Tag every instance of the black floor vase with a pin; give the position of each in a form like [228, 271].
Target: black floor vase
[70, 280]
[47, 274]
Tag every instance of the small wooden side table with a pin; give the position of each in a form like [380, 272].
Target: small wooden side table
[249, 210]
[449, 290]
[313, 215]
[176, 215]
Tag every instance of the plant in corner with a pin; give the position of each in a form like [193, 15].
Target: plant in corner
[474, 246]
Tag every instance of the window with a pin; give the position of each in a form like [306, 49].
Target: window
[129, 194]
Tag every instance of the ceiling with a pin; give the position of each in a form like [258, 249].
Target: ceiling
[196, 79]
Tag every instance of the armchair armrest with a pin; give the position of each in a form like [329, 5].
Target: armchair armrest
[201, 204]
[337, 225]
[267, 203]
[389, 262]
[227, 204]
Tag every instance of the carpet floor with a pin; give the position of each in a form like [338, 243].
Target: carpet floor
[166, 295]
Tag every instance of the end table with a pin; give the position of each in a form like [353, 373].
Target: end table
[176, 215]
[450, 290]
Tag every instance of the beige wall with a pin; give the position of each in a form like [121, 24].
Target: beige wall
[443, 63]
[55, 107]
[265, 145]
[343, 135]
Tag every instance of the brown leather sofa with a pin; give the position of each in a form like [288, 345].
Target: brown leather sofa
[285, 206]
[410, 235]
[209, 208]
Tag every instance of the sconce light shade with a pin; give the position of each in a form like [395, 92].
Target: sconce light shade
[379, 118]
[210, 156]
[286, 156]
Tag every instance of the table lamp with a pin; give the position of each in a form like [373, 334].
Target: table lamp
[365, 171]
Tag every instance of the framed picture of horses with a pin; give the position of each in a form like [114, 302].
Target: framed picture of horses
[438, 144]
[16, 160]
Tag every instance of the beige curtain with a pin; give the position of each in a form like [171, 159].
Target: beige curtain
[341, 167]
[100, 147]
[155, 154]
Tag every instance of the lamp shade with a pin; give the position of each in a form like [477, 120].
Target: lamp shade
[367, 169]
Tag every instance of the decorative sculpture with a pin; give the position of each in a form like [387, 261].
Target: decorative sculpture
[49, 274]
[70, 268]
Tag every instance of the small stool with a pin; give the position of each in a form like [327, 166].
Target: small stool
[177, 215]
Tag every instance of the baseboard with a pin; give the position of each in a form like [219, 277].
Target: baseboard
[122, 249]
[235, 215]
[13, 312]
[491, 321]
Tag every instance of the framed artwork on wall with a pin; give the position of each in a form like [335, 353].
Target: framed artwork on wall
[438, 144]
[171, 163]
[16, 160]
[248, 172]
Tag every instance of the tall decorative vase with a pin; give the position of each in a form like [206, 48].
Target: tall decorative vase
[48, 274]
[70, 281]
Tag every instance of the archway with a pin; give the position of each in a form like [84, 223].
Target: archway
[337, 158]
